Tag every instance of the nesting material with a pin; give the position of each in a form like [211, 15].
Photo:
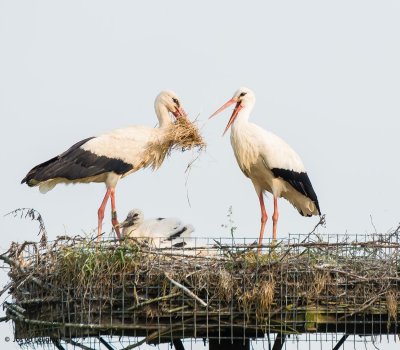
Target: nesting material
[181, 135]
[266, 290]
[184, 135]
[75, 288]
[392, 304]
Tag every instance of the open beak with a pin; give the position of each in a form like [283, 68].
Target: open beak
[238, 107]
[179, 112]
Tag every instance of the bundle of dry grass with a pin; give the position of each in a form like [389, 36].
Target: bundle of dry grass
[181, 135]
[75, 288]
[184, 135]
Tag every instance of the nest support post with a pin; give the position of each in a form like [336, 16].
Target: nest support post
[340, 342]
[279, 341]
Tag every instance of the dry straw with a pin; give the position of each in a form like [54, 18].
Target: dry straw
[74, 287]
[181, 135]
[185, 135]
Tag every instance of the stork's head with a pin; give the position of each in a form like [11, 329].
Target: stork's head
[243, 97]
[134, 218]
[171, 102]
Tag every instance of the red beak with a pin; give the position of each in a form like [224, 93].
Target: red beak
[238, 107]
[179, 113]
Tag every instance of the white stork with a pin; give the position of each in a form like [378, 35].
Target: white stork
[110, 156]
[163, 232]
[270, 163]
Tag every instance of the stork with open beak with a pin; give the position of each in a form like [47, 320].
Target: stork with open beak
[268, 161]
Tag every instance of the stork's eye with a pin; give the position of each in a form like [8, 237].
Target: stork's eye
[175, 101]
[243, 94]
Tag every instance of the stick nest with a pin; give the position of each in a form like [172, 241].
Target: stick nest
[73, 287]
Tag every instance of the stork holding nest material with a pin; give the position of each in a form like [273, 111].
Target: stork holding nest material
[116, 154]
[270, 163]
[162, 232]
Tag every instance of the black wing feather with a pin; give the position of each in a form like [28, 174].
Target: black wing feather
[75, 163]
[299, 181]
[177, 233]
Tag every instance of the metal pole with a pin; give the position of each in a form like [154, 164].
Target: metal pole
[341, 341]
[57, 344]
[279, 341]
[104, 342]
[178, 344]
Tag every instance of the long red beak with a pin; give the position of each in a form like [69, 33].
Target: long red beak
[179, 113]
[234, 114]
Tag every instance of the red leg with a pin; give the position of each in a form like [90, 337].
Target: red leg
[264, 218]
[114, 219]
[100, 213]
[275, 217]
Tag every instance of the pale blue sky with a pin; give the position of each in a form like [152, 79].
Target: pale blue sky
[326, 77]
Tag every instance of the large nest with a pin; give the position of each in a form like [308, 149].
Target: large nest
[74, 287]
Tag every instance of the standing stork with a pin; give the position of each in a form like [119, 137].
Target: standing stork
[270, 163]
[110, 156]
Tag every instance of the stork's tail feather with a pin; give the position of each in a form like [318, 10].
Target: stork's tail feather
[304, 205]
[302, 214]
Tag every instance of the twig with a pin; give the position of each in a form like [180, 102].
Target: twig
[150, 301]
[10, 261]
[6, 287]
[4, 319]
[180, 308]
[188, 172]
[365, 306]
[186, 291]
[32, 214]
[372, 223]
[15, 316]
[323, 268]
[40, 300]
[153, 336]
[79, 345]
[13, 310]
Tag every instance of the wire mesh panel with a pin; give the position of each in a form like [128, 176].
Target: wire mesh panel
[304, 288]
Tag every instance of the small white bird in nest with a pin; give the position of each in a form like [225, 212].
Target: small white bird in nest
[161, 232]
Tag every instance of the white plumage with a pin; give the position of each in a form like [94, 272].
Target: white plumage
[270, 163]
[111, 156]
[161, 232]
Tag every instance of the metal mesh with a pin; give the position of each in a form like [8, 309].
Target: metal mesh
[305, 288]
